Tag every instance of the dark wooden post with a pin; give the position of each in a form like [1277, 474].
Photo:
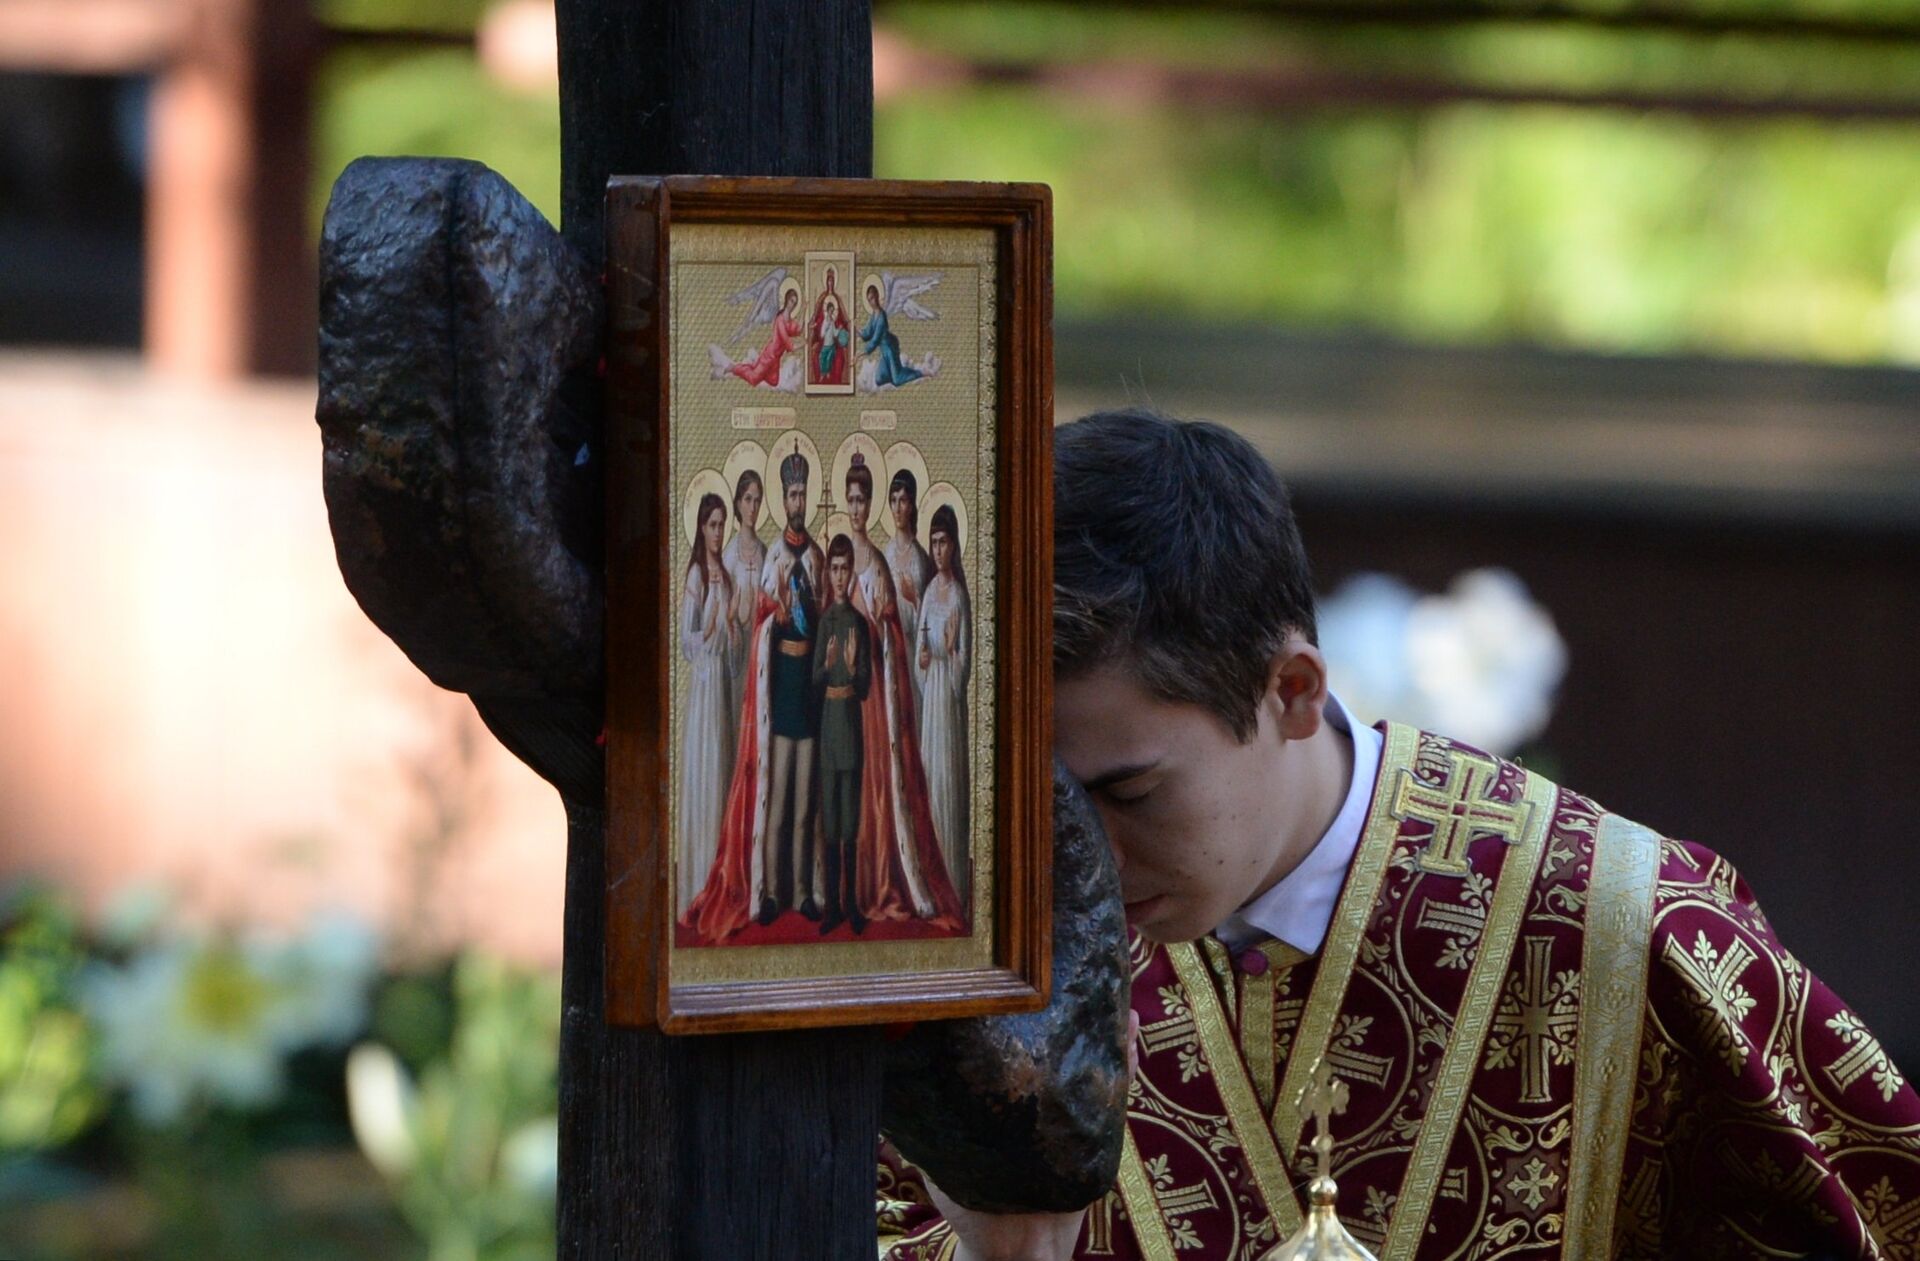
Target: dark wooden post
[459, 411]
[745, 1146]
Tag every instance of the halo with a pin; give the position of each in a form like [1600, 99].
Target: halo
[872, 279]
[944, 493]
[783, 446]
[705, 482]
[863, 442]
[837, 523]
[904, 455]
[790, 285]
[747, 455]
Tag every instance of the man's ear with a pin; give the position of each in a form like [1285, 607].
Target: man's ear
[1297, 689]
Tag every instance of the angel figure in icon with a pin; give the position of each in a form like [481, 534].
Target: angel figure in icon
[886, 295]
[774, 300]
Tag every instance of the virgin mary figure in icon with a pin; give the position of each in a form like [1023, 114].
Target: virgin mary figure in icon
[827, 337]
[943, 661]
[708, 636]
[902, 873]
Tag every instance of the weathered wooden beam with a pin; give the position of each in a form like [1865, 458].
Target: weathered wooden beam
[460, 396]
[768, 1144]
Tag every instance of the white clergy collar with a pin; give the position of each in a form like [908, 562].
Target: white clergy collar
[1299, 909]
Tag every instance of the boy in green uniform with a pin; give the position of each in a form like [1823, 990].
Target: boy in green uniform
[842, 672]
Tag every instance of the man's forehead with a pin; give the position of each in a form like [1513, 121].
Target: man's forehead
[1104, 718]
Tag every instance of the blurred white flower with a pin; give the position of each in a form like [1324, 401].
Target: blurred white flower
[530, 1158]
[323, 977]
[380, 1105]
[135, 913]
[214, 1017]
[1480, 663]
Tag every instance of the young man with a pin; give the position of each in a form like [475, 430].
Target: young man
[842, 673]
[1562, 1034]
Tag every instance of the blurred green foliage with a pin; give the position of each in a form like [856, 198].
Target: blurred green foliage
[48, 1093]
[470, 1151]
[1600, 229]
[458, 1136]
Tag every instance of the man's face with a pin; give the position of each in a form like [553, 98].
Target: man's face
[1186, 806]
[839, 573]
[796, 500]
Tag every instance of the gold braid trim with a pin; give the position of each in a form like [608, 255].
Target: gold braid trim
[1427, 1162]
[1256, 1031]
[1613, 996]
[1143, 1210]
[1244, 1113]
[1315, 1033]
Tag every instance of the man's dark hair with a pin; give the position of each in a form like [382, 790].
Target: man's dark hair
[1175, 553]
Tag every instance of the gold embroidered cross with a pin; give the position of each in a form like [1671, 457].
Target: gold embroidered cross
[1536, 1186]
[1459, 815]
[1534, 1026]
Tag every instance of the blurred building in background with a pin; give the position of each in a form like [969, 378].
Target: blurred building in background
[1619, 301]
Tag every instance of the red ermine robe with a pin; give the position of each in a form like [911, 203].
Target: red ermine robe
[901, 872]
[1562, 1034]
[730, 896]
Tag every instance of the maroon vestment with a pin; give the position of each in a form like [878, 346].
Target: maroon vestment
[1562, 1035]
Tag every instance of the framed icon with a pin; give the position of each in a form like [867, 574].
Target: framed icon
[829, 413]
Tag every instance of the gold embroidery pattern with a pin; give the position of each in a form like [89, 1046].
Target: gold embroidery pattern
[1244, 1114]
[1864, 1055]
[1460, 814]
[1894, 1226]
[1143, 1210]
[1536, 1020]
[1256, 1031]
[1315, 1030]
[1511, 893]
[1599, 1174]
[1100, 1225]
[1714, 978]
[1534, 1187]
[1613, 963]
[1179, 1204]
[1461, 921]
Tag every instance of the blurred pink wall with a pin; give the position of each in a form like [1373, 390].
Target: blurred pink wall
[189, 694]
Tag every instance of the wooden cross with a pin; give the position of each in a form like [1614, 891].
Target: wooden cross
[462, 348]
[1459, 815]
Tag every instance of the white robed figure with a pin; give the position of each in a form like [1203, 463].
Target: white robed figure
[743, 558]
[708, 638]
[908, 562]
[944, 658]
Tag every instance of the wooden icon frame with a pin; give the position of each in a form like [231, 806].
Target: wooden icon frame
[660, 971]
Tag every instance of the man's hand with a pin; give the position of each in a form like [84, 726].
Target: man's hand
[1010, 1236]
[1024, 1236]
